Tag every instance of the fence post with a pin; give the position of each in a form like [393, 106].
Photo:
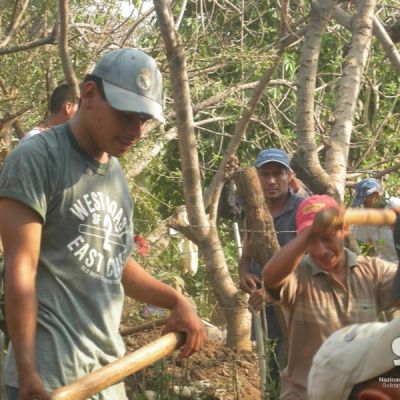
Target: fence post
[2, 352]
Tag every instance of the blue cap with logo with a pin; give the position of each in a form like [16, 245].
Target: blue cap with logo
[272, 155]
[132, 82]
[364, 188]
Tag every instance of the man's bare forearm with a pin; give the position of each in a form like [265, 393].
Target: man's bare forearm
[285, 261]
[21, 314]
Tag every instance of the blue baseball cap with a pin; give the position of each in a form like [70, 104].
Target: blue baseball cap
[364, 188]
[132, 82]
[272, 155]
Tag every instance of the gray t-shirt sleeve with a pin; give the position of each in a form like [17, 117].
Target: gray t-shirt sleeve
[27, 177]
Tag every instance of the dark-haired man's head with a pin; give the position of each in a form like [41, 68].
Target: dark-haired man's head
[274, 172]
[62, 105]
[120, 94]
[61, 94]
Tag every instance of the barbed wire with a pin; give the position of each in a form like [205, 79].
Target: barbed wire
[219, 227]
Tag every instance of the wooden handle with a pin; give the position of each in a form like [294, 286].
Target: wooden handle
[116, 371]
[370, 216]
[326, 219]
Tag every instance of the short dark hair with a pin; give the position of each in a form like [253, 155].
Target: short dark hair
[61, 94]
[374, 382]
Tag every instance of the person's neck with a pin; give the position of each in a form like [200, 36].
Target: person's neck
[340, 275]
[275, 206]
[340, 271]
[84, 140]
[54, 119]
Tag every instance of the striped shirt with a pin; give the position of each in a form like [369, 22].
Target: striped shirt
[314, 305]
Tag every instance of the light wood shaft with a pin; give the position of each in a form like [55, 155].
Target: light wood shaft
[116, 371]
[370, 216]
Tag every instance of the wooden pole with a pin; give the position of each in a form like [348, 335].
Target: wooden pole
[2, 352]
[370, 216]
[116, 371]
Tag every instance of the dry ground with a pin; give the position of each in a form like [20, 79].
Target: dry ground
[216, 372]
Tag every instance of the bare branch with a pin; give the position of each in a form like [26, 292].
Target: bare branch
[184, 120]
[180, 16]
[14, 23]
[306, 161]
[50, 39]
[63, 48]
[348, 90]
[380, 32]
[136, 24]
[214, 190]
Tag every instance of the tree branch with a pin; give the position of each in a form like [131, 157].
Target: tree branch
[63, 48]
[306, 161]
[380, 32]
[14, 22]
[184, 119]
[50, 39]
[348, 90]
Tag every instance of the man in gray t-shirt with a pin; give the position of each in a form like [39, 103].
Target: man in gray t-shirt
[66, 227]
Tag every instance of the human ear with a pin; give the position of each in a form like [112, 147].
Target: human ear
[293, 181]
[69, 109]
[89, 93]
[346, 230]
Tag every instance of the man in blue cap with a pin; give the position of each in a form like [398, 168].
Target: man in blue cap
[66, 227]
[369, 194]
[276, 176]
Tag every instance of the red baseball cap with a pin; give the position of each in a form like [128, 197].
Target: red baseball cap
[311, 206]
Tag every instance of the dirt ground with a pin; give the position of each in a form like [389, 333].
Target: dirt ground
[215, 373]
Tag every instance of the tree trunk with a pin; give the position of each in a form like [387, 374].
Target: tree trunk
[262, 240]
[348, 90]
[232, 301]
[307, 164]
[259, 223]
[200, 230]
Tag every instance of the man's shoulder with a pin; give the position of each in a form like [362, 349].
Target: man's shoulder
[297, 198]
[34, 131]
[293, 201]
[394, 202]
[56, 136]
[374, 265]
[49, 148]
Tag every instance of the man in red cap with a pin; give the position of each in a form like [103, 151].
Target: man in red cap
[322, 286]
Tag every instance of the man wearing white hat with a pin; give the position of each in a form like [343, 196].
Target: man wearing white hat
[358, 362]
[66, 226]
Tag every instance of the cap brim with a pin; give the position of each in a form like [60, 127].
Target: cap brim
[304, 225]
[125, 100]
[260, 164]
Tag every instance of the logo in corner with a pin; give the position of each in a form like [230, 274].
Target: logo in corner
[396, 350]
